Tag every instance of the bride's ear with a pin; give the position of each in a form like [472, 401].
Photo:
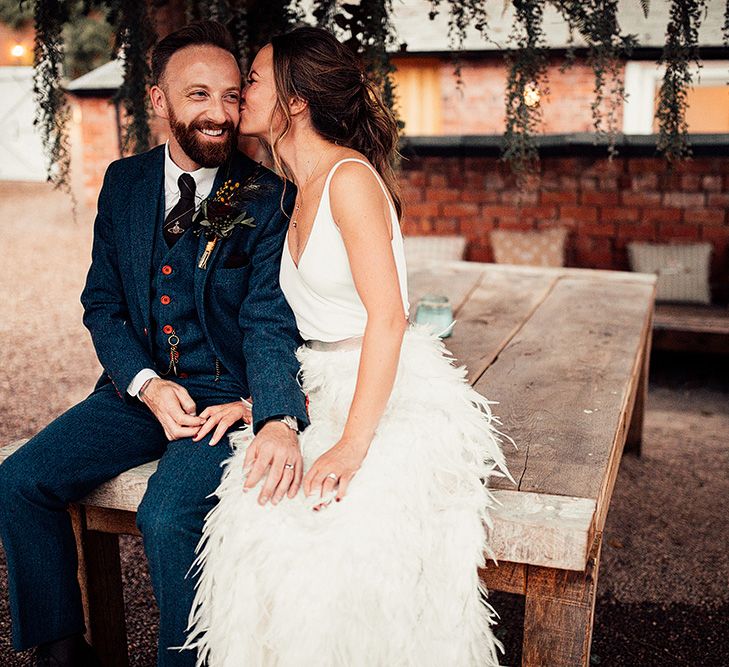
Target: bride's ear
[297, 106]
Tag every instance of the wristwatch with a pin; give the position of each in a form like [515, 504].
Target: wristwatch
[291, 422]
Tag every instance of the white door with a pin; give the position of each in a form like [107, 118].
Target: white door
[21, 153]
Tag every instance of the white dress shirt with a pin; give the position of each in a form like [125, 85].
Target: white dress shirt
[204, 178]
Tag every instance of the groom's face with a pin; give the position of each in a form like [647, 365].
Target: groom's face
[199, 94]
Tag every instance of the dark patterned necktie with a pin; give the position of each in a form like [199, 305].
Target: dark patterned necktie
[179, 219]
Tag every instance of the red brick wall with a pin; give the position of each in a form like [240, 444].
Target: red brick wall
[604, 204]
[478, 107]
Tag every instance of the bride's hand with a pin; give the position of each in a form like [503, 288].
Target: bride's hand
[221, 418]
[342, 460]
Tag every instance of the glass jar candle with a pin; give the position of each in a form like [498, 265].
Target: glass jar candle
[435, 311]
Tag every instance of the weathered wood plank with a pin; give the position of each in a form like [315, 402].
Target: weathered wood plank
[550, 531]
[528, 527]
[559, 613]
[456, 280]
[506, 577]
[492, 314]
[692, 318]
[563, 383]
[102, 595]
[105, 520]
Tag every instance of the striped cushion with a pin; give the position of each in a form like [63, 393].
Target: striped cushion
[682, 269]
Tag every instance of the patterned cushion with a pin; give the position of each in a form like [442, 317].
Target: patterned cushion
[682, 269]
[536, 248]
[419, 248]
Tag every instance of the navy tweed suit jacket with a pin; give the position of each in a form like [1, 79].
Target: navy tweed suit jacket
[243, 312]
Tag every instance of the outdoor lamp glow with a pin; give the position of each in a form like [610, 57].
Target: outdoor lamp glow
[18, 51]
[531, 95]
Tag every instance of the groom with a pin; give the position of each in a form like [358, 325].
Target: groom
[174, 339]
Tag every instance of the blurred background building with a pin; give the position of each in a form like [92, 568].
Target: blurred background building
[453, 180]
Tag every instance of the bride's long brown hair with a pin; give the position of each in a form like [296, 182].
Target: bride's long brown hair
[345, 106]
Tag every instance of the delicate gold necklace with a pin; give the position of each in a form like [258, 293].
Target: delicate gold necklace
[299, 198]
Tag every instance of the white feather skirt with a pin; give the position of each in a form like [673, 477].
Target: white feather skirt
[386, 577]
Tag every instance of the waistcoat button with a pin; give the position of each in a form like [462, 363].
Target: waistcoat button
[164, 299]
[167, 269]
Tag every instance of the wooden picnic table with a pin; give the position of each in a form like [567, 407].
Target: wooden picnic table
[565, 353]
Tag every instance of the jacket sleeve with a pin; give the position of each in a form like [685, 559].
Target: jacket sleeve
[106, 313]
[270, 335]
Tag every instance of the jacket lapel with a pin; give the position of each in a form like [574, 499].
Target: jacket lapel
[145, 208]
[231, 170]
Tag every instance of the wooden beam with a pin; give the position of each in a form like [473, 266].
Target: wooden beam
[559, 614]
[101, 591]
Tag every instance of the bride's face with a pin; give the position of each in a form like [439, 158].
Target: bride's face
[258, 102]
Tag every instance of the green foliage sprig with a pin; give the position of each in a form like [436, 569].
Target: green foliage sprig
[52, 109]
[134, 37]
[368, 30]
[682, 40]
[527, 67]
[597, 22]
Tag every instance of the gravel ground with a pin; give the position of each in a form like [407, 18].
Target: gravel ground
[663, 597]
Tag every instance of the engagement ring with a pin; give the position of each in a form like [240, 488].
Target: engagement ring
[333, 476]
[290, 466]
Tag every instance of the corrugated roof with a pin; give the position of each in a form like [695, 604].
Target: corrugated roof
[107, 77]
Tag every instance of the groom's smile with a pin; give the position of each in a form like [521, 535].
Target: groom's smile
[199, 95]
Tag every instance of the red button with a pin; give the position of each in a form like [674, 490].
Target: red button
[145, 331]
[182, 376]
[167, 328]
[167, 269]
[164, 299]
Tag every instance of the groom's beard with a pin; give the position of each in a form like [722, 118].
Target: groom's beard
[205, 152]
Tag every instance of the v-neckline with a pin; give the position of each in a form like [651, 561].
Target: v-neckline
[313, 223]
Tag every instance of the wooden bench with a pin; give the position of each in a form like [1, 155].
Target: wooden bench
[566, 352]
[691, 328]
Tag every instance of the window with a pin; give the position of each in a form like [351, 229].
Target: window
[419, 100]
[708, 100]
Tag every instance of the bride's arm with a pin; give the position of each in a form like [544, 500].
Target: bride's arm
[362, 214]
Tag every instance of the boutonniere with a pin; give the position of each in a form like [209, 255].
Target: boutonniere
[222, 212]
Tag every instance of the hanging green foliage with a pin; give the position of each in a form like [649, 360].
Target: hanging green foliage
[681, 49]
[134, 37]
[526, 83]
[367, 27]
[52, 110]
[597, 23]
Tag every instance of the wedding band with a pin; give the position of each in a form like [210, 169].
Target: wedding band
[333, 475]
[289, 466]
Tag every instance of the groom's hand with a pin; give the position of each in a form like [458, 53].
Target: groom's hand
[276, 449]
[173, 407]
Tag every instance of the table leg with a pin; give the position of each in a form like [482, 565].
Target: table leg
[559, 613]
[99, 575]
[634, 439]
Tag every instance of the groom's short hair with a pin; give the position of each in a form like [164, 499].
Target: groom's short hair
[198, 33]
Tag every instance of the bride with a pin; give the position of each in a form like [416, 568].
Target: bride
[373, 558]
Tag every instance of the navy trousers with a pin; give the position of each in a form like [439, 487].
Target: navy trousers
[92, 442]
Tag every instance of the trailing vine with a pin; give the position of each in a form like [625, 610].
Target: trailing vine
[597, 22]
[368, 30]
[527, 67]
[324, 12]
[134, 37]
[52, 109]
[682, 37]
[367, 27]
